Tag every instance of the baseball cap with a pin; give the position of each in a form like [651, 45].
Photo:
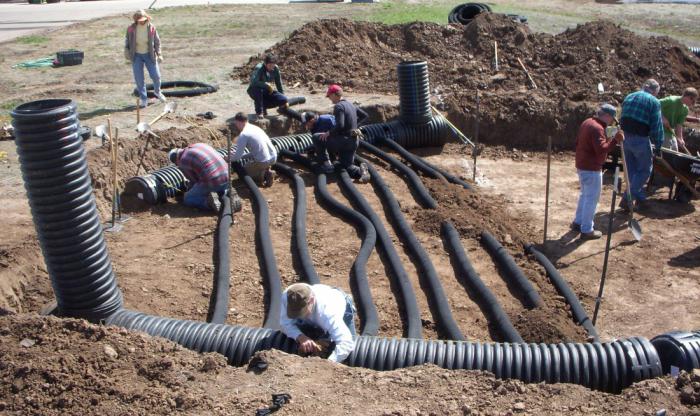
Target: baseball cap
[610, 110]
[298, 296]
[333, 89]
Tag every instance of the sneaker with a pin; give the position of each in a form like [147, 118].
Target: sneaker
[161, 97]
[327, 167]
[213, 201]
[268, 179]
[575, 227]
[143, 104]
[593, 235]
[364, 173]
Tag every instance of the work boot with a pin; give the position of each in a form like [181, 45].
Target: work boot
[364, 173]
[268, 178]
[593, 235]
[327, 167]
[575, 227]
[213, 201]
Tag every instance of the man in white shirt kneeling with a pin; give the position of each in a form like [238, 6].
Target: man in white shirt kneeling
[321, 312]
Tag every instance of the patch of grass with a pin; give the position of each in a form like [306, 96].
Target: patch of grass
[392, 13]
[32, 39]
[10, 105]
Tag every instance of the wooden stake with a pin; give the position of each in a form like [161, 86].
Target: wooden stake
[495, 55]
[532, 81]
[546, 198]
[138, 110]
[109, 129]
[475, 150]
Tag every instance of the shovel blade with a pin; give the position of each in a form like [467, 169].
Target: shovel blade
[143, 127]
[101, 131]
[170, 106]
[635, 228]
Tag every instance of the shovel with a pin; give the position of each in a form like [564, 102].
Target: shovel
[632, 224]
[101, 132]
[145, 127]
[601, 287]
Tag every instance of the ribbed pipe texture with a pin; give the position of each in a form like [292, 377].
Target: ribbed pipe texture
[513, 274]
[577, 311]
[609, 366]
[414, 92]
[476, 287]
[269, 268]
[222, 261]
[59, 188]
[301, 246]
[414, 328]
[678, 349]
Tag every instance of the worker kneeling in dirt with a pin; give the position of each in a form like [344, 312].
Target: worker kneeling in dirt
[260, 148]
[344, 138]
[315, 315]
[592, 147]
[265, 87]
[207, 173]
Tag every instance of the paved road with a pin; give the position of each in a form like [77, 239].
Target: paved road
[20, 19]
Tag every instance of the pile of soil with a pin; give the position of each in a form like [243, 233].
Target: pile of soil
[62, 366]
[566, 68]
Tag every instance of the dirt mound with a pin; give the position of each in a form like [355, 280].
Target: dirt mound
[566, 68]
[56, 366]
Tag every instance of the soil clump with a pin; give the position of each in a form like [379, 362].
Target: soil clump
[566, 68]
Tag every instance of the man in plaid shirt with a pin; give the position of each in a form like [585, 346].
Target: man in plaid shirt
[641, 122]
[207, 172]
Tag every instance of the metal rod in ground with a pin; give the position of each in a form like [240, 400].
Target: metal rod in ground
[599, 298]
[546, 197]
[138, 110]
[475, 150]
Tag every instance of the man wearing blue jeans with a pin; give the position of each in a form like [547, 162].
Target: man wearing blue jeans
[207, 173]
[641, 121]
[319, 311]
[592, 147]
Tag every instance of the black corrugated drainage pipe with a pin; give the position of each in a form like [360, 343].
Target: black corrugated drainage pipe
[465, 270]
[678, 349]
[513, 274]
[425, 268]
[269, 263]
[59, 189]
[425, 166]
[609, 366]
[417, 187]
[564, 290]
[414, 92]
[308, 271]
[433, 133]
[414, 327]
[368, 312]
[222, 276]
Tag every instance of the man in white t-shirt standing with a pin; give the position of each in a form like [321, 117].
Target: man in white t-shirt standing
[260, 148]
[319, 311]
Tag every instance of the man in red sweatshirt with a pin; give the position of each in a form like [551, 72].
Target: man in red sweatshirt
[592, 147]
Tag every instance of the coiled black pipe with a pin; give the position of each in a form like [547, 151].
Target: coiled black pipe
[269, 263]
[414, 328]
[426, 270]
[308, 271]
[513, 274]
[54, 167]
[414, 92]
[564, 290]
[678, 349]
[415, 184]
[609, 366]
[465, 270]
[464, 13]
[695, 51]
[222, 275]
[368, 312]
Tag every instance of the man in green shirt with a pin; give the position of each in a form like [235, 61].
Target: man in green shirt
[265, 86]
[674, 112]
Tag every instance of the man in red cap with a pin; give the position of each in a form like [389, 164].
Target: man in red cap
[343, 138]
